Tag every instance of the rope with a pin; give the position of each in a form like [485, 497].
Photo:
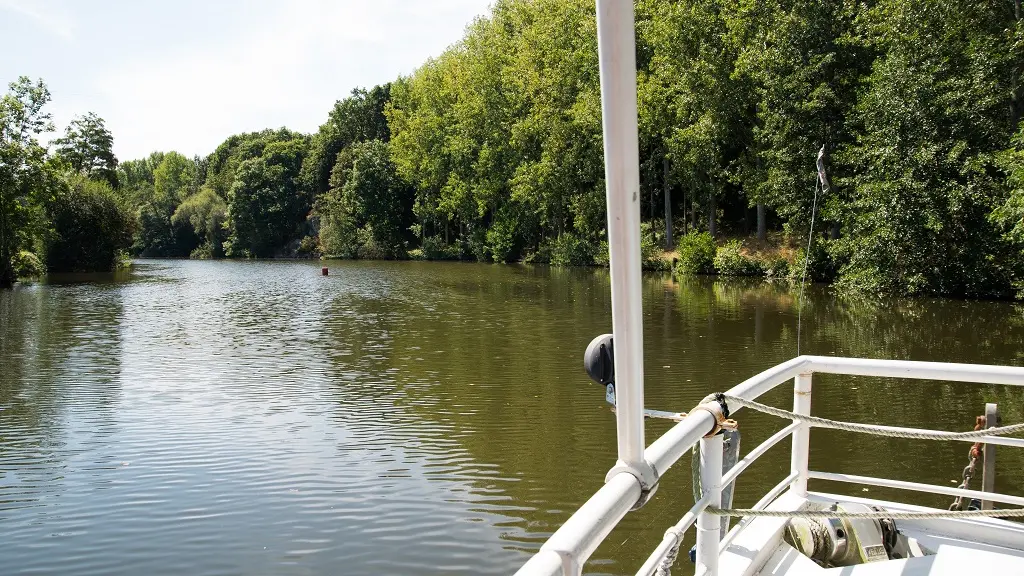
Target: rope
[807, 258]
[1014, 513]
[875, 429]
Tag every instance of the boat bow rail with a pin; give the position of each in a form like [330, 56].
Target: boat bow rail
[575, 541]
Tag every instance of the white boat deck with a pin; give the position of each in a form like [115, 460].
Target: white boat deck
[991, 546]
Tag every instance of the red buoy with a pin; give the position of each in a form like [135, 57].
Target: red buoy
[324, 270]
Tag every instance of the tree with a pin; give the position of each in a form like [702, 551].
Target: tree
[174, 179]
[932, 120]
[358, 118]
[266, 206]
[87, 147]
[90, 227]
[207, 213]
[23, 170]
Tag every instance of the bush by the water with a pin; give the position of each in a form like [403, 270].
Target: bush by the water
[776, 268]
[696, 253]
[434, 248]
[821, 266]
[91, 228]
[650, 248]
[730, 261]
[571, 250]
[28, 265]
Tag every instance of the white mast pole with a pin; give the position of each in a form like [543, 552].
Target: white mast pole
[616, 46]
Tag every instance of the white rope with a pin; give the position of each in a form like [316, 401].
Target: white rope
[1014, 513]
[874, 429]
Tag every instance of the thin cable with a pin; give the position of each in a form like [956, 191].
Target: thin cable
[807, 257]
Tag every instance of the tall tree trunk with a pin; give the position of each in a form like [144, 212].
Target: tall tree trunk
[668, 205]
[762, 224]
[713, 214]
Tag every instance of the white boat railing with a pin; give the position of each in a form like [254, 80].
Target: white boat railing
[566, 551]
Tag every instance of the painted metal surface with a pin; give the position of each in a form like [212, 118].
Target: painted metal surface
[802, 435]
[617, 58]
[573, 543]
[709, 526]
[988, 470]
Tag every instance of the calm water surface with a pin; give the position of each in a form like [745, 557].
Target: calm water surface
[412, 418]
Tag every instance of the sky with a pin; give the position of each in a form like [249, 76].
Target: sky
[185, 75]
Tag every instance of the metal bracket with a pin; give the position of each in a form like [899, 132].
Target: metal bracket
[646, 475]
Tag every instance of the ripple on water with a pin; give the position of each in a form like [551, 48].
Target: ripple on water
[397, 418]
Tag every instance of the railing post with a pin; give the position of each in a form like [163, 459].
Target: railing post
[709, 527]
[988, 470]
[800, 454]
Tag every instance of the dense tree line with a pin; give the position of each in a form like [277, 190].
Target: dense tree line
[492, 151]
[58, 209]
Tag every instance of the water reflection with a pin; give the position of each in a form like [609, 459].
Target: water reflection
[415, 418]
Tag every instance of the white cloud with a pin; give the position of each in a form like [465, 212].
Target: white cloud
[49, 16]
[285, 70]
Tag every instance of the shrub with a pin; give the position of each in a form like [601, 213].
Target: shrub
[91, 228]
[730, 261]
[571, 250]
[650, 248]
[202, 252]
[434, 248]
[821, 267]
[542, 255]
[501, 240]
[475, 246]
[696, 253]
[27, 265]
[309, 246]
[776, 268]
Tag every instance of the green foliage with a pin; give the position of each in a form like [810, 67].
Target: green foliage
[158, 197]
[367, 211]
[28, 265]
[571, 250]
[265, 206]
[696, 253]
[87, 146]
[776, 268]
[730, 261]
[358, 118]
[493, 149]
[26, 178]
[434, 248]
[90, 227]
[651, 249]
[206, 213]
[822, 266]
[932, 117]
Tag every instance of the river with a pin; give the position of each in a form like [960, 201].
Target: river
[414, 418]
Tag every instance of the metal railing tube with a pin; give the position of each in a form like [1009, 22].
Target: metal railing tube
[916, 487]
[980, 373]
[709, 526]
[670, 447]
[577, 539]
[755, 386]
[801, 436]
